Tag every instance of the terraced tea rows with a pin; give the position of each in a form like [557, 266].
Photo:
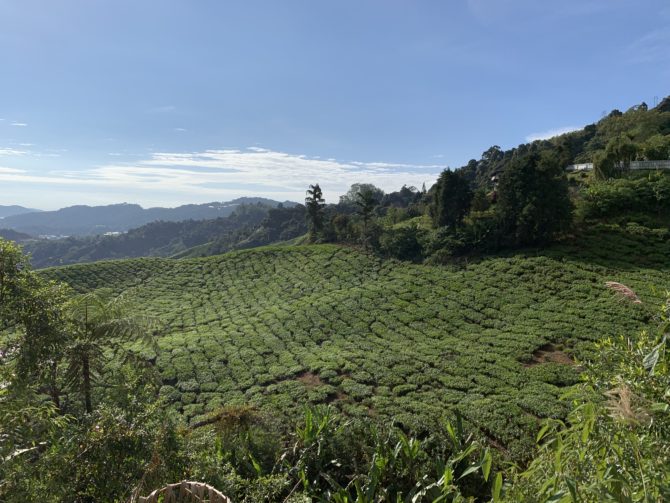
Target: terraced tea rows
[282, 327]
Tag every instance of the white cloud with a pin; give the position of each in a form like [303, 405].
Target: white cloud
[12, 151]
[10, 170]
[215, 174]
[545, 135]
[179, 129]
[19, 124]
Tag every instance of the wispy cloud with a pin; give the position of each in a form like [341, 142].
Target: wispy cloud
[19, 124]
[10, 170]
[232, 172]
[9, 151]
[179, 129]
[545, 135]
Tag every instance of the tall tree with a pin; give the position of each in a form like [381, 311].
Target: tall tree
[315, 203]
[604, 165]
[31, 308]
[451, 199]
[366, 201]
[100, 324]
[623, 150]
[533, 199]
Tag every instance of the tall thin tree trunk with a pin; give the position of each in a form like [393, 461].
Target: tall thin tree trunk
[86, 368]
[86, 374]
[55, 392]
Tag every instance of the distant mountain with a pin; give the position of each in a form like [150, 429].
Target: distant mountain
[13, 235]
[8, 211]
[92, 220]
[248, 226]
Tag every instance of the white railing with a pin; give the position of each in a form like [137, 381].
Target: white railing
[587, 166]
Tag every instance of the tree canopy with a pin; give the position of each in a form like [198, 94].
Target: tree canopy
[533, 200]
[451, 199]
[314, 203]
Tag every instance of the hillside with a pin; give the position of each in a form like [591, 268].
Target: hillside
[8, 211]
[283, 327]
[84, 220]
[249, 225]
[13, 235]
[160, 239]
[642, 132]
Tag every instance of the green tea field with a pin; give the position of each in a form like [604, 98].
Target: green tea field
[282, 327]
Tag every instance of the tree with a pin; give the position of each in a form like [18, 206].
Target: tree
[401, 198]
[352, 195]
[404, 243]
[315, 203]
[533, 199]
[480, 201]
[366, 201]
[451, 199]
[604, 166]
[657, 148]
[31, 309]
[99, 324]
[623, 151]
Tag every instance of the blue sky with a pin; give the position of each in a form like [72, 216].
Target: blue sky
[166, 102]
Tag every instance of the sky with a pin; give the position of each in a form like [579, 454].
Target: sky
[168, 102]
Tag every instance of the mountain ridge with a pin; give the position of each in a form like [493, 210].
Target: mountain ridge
[15, 209]
[83, 220]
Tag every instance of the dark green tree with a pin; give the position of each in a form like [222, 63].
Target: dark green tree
[352, 195]
[404, 243]
[366, 201]
[31, 309]
[604, 165]
[314, 203]
[533, 200]
[451, 199]
[100, 324]
[480, 201]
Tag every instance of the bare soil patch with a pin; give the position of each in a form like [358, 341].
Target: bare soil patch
[309, 379]
[549, 353]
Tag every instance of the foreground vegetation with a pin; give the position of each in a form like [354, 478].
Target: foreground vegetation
[375, 446]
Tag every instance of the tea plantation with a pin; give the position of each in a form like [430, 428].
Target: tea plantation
[281, 327]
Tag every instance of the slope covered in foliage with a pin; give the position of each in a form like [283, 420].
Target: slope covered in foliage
[289, 326]
[643, 132]
[247, 226]
[157, 239]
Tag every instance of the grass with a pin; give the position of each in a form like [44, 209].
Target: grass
[285, 326]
